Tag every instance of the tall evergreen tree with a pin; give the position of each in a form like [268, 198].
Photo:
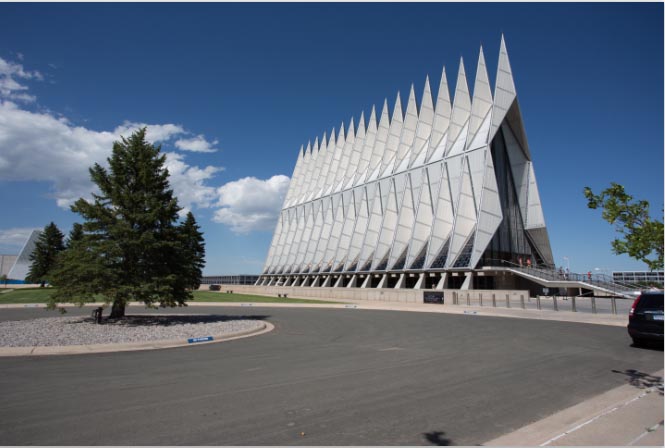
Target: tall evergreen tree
[44, 256]
[195, 251]
[131, 249]
[76, 234]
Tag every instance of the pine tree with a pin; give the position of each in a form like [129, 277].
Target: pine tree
[76, 234]
[44, 256]
[195, 251]
[131, 249]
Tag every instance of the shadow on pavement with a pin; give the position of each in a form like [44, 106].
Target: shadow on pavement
[642, 380]
[437, 438]
[169, 321]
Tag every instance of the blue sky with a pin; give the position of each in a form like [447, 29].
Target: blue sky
[231, 91]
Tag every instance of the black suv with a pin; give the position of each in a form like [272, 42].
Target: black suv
[645, 321]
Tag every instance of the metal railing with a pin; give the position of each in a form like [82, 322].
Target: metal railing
[547, 273]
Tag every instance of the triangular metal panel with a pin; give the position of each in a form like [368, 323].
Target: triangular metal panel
[405, 222]
[490, 215]
[519, 166]
[443, 213]
[363, 212]
[534, 213]
[408, 132]
[368, 147]
[477, 168]
[504, 90]
[424, 217]
[424, 129]
[371, 237]
[482, 101]
[346, 233]
[389, 222]
[465, 217]
[461, 112]
[541, 241]
[442, 114]
[392, 143]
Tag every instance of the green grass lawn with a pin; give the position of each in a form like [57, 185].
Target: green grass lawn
[41, 295]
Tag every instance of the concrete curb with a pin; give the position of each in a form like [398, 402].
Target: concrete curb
[133, 346]
[588, 418]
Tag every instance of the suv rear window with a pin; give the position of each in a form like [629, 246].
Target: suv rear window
[650, 302]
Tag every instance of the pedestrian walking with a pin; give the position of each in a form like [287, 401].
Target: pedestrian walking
[588, 274]
[528, 262]
[519, 260]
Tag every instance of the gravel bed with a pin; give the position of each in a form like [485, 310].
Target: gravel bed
[59, 331]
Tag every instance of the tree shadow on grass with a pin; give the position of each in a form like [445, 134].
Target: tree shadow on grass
[171, 321]
[642, 380]
[437, 438]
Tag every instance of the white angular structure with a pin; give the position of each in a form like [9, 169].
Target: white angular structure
[446, 187]
[21, 267]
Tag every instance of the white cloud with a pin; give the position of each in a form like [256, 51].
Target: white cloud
[250, 204]
[196, 144]
[41, 147]
[10, 88]
[14, 239]
[155, 133]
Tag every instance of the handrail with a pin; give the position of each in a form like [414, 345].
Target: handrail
[546, 273]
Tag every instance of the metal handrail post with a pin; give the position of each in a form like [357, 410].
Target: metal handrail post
[574, 305]
[593, 304]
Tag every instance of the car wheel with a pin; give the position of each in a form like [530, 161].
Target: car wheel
[637, 342]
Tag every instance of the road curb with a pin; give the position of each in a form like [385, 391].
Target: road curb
[133, 346]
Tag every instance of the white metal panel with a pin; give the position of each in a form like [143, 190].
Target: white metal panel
[476, 160]
[292, 250]
[482, 101]
[380, 142]
[390, 150]
[315, 237]
[504, 90]
[408, 131]
[461, 110]
[371, 236]
[457, 147]
[389, 222]
[310, 212]
[347, 149]
[534, 214]
[341, 253]
[481, 136]
[368, 147]
[405, 223]
[363, 212]
[353, 168]
[335, 233]
[443, 211]
[424, 129]
[442, 114]
[519, 168]
[465, 217]
[490, 215]
[422, 225]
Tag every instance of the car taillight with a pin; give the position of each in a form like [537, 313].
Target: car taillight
[632, 308]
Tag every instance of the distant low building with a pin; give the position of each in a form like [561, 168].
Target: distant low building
[638, 277]
[229, 279]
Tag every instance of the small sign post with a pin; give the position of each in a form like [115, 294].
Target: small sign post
[201, 339]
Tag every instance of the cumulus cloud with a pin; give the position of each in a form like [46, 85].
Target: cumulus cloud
[155, 133]
[13, 239]
[10, 87]
[250, 204]
[196, 144]
[41, 147]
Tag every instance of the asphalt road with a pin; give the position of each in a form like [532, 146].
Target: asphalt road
[322, 377]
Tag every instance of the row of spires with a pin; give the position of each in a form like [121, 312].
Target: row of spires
[448, 119]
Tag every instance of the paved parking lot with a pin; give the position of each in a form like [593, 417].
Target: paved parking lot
[322, 377]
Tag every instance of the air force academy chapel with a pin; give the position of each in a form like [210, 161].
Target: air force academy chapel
[416, 200]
